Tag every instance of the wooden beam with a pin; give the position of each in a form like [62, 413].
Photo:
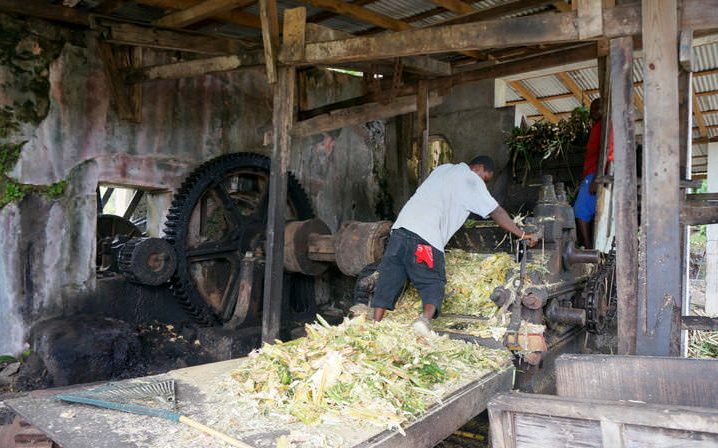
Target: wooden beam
[685, 50]
[199, 12]
[702, 323]
[295, 21]
[145, 36]
[197, 67]
[544, 28]
[368, 16]
[698, 212]
[326, 15]
[110, 6]
[423, 65]
[282, 118]
[422, 128]
[284, 93]
[700, 120]
[359, 13]
[625, 193]
[526, 93]
[270, 36]
[590, 18]
[118, 89]
[532, 30]
[495, 12]
[44, 10]
[456, 6]
[236, 17]
[357, 115]
[660, 289]
[576, 91]
[540, 61]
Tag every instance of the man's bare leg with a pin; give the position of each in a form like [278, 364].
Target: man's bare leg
[379, 314]
[584, 233]
[429, 311]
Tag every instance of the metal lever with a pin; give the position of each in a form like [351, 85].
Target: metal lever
[511, 338]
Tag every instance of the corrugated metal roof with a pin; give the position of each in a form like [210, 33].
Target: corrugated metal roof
[705, 58]
[399, 9]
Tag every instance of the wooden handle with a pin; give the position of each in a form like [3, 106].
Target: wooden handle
[207, 430]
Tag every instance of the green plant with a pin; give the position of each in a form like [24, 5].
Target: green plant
[531, 146]
[56, 190]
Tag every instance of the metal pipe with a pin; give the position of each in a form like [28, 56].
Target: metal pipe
[565, 315]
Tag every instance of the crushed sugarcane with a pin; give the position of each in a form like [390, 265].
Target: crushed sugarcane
[361, 370]
[470, 280]
[372, 372]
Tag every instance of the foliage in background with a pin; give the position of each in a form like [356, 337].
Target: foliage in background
[703, 344]
[531, 146]
[699, 236]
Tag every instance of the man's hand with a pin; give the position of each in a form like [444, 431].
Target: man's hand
[531, 239]
[593, 187]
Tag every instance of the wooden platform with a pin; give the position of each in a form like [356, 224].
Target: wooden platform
[203, 395]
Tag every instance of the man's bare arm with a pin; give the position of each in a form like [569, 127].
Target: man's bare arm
[504, 221]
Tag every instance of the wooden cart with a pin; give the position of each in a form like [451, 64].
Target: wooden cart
[614, 401]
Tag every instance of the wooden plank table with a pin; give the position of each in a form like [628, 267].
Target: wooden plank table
[203, 393]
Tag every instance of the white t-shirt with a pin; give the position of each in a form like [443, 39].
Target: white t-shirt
[443, 202]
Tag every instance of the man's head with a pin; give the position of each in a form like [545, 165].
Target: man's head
[483, 166]
[595, 111]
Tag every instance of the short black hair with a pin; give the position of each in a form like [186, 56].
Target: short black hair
[485, 161]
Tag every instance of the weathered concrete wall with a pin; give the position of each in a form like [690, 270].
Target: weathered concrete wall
[55, 98]
[468, 120]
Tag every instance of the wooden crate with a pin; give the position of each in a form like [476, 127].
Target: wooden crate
[615, 402]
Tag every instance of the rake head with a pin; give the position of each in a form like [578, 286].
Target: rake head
[156, 394]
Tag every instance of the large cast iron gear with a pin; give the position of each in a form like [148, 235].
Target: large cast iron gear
[219, 214]
[600, 295]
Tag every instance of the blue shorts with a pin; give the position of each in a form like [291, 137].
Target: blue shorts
[399, 265]
[585, 206]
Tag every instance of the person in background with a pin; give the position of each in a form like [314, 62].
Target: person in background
[425, 224]
[585, 206]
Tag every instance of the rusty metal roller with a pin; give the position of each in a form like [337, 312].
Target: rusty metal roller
[358, 244]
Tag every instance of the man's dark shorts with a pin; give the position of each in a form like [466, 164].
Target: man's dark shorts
[399, 263]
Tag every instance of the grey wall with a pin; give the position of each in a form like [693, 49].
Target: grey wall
[55, 99]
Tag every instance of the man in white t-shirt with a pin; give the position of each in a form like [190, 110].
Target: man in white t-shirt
[425, 224]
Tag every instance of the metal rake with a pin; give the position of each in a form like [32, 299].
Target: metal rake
[137, 398]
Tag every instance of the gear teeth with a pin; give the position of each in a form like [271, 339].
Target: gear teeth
[180, 212]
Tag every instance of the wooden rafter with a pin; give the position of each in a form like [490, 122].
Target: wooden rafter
[236, 17]
[495, 12]
[571, 85]
[200, 11]
[110, 6]
[456, 6]
[531, 98]
[638, 102]
[366, 15]
[326, 15]
[700, 120]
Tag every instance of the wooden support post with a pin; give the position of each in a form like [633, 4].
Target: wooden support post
[625, 195]
[284, 92]
[660, 229]
[422, 119]
[590, 18]
[686, 103]
[270, 36]
[282, 119]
